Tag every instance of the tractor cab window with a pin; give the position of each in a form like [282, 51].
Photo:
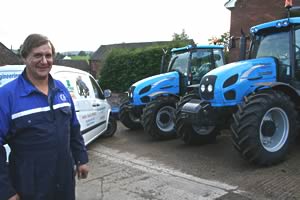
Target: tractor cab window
[275, 44]
[201, 63]
[180, 63]
[297, 53]
[218, 57]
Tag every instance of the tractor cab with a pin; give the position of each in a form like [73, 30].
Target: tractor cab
[194, 62]
[282, 42]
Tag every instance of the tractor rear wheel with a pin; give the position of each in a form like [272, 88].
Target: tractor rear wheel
[159, 116]
[128, 118]
[264, 127]
[192, 133]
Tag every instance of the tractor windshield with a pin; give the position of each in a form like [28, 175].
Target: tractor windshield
[179, 62]
[204, 60]
[275, 44]
[196, 62]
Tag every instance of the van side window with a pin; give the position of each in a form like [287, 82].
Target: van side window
[97, 90]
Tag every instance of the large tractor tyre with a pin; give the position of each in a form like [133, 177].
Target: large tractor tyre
[264, 127]
[128, 118]
[159, 118]
[112, 127]
[193, 134]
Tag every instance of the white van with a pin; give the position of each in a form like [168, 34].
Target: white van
[92, 108]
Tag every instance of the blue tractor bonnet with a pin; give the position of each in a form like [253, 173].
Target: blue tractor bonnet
[238, 79]
[167, 82]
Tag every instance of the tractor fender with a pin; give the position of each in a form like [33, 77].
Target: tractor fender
[154, 95]
[284, 87]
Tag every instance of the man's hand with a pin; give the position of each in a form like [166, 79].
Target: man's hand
[15, 197]
[82, 171]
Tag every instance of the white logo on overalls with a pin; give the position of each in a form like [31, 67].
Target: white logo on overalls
[62, 97]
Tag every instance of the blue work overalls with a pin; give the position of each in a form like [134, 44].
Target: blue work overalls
[44, 136]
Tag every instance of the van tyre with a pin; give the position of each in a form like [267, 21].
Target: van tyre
[127, 117]
[111, 127]
[159, 117]
[264, 127]
[188, 132]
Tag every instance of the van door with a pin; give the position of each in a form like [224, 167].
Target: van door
[81, 90]
[100, 105]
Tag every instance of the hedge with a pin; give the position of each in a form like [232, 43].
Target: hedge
[123, 67]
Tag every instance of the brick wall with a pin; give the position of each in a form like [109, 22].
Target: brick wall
[248, 13]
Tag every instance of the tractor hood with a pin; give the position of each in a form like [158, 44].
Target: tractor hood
[228, 84]
[141, 91]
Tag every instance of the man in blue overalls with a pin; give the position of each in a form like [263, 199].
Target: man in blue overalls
[39, 123]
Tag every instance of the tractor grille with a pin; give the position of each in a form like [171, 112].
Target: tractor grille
[207, 87]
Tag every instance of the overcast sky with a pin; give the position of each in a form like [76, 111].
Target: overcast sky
[87, 24]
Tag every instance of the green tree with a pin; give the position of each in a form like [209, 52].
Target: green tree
[181, 36]
[59, 56]
[82, 53]
[221, 40]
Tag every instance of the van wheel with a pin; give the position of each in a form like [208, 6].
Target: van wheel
[111, 128]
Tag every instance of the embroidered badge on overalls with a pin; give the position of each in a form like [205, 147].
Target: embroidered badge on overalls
[62, 97]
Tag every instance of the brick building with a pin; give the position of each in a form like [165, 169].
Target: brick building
[247, 13]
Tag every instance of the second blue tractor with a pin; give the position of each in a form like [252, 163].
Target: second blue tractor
[151, 102]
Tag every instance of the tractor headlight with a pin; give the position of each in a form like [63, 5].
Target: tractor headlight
[210, 88]
[130, 92]
[202, 88]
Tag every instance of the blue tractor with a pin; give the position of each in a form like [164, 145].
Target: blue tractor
[258, 97]
[151, 102]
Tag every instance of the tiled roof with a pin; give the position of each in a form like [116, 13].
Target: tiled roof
[78, 64]
[7, 57]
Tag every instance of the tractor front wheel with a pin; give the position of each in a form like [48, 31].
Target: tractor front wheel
[158, 117]
[128, 117]
[193, 133]
[264, 127]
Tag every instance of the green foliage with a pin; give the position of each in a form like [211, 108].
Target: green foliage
[181, 36]
[221, 40]
[59, 56]
[82, 53]
[86, 57]
[123, 67]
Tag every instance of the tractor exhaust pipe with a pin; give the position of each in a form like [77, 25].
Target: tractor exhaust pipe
[243, 46]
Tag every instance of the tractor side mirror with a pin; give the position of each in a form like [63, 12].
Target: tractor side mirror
[163, 61]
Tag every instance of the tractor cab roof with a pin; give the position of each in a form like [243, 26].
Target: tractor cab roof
[190, 47]
[281, 23]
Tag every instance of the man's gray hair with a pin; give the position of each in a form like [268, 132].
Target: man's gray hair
[34, 41]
